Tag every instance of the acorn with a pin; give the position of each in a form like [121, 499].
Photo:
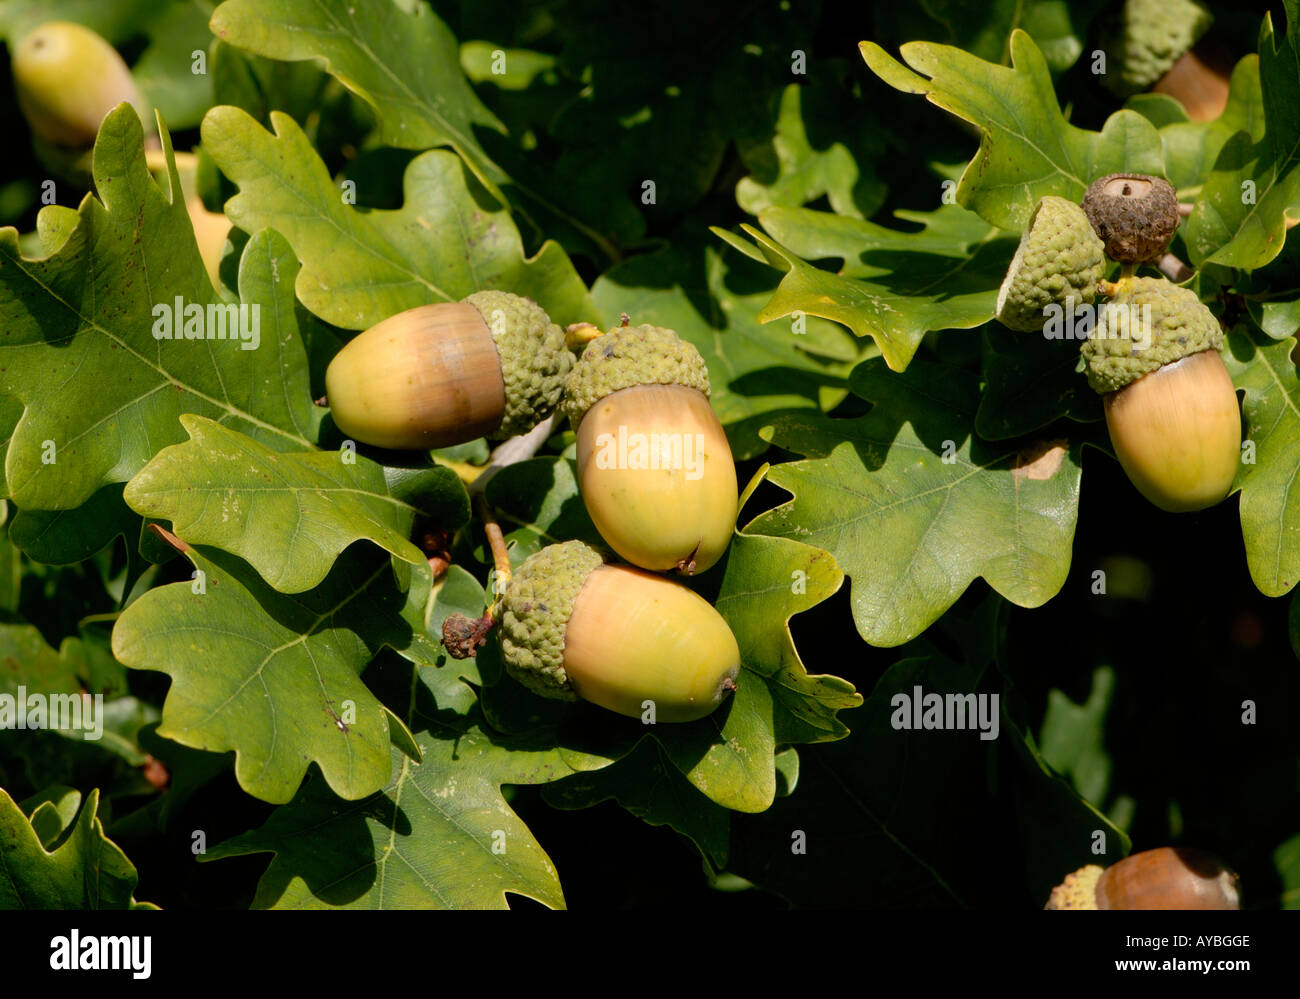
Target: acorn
[1166, 878]
[1134, 214]
[67, 79]
[654, 466]
[1147, 37]
[491, 365]
[574, 627]
[1171, 408]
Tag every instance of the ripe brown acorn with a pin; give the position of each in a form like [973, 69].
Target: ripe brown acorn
[1165, 878]
[492, 366]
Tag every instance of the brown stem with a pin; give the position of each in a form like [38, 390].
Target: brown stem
[1174, 269]
[1185, 208]
[500, 557]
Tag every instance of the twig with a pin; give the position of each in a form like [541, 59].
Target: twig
[1185, 208]
[513, 451]
[1174, 269]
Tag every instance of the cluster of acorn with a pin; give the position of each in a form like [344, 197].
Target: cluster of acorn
[1153, 352]
[494, 365]
[67, 79]
[1171, 410]
[573, 626]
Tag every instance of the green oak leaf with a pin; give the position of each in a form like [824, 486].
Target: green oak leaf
[360, 267]
[288, 515]
[101, 393]
[1191, 147]
[439, 835]
[51, 812]
[27, 661]
[790, 170]
[891, 495]
[86, 871]
[893, 286]
[1027, 147]
[647, 785]
[894, 816]
[538, 504]
[1240, 218]
[768, 581]
[276, 677]
[1072, 740]
[1058, 825]
[1272, 293]
[401, 59]
[728, 755]
[1270, 509]
[62, 537]
[715, 302]
[1059, 28]
[1030, 382]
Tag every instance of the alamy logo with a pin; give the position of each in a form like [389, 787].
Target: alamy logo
[1111, 320]
[921, 711]
[64, 712]
[651, 451]
[77, 953]
[224, 321]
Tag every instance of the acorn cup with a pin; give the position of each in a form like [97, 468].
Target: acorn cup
[492, 365]
[1058, 262]
[1171, 408]
[1134, 214]
[574, 627]
[1166, 878]
[654, 466]
[67, 78]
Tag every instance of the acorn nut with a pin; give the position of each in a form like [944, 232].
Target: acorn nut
[1059, 261]
[1171, 408]
[67, 79]
[1135, 215]
[1147, 38]
[654, 466]
[492, 365]
[1166, 878]
[573, 627]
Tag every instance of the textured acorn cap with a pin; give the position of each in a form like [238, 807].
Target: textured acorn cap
[1136, 215]
[537, 606]
[1116, 350]
[1147, 38]
[1077, 891]
[534, 358]
[1059, 258]
[629, 356]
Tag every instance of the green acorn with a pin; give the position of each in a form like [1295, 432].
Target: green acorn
[1058, 262]
[1171, 408]
[67, 78]
[573, 627]
[654, 466]
[492, 365]
[1147, 38]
